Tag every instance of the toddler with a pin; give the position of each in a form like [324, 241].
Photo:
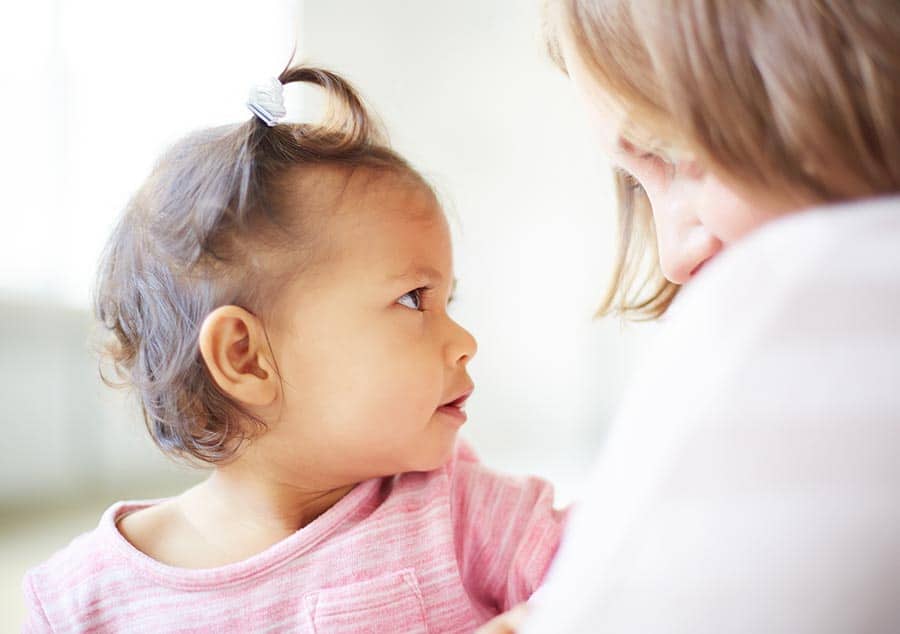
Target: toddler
[277, 295]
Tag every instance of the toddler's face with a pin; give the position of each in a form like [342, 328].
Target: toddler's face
[374, 369]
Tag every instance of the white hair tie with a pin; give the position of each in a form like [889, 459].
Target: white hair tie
[267, 101]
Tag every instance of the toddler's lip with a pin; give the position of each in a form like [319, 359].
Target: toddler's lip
[460, 401]
[455, 410]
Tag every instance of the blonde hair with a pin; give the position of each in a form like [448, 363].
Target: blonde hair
[796, 99]
[186, 244]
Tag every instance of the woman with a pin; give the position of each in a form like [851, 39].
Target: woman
[752, 480]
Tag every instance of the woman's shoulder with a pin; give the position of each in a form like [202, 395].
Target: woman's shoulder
[853, 237]
[761, 438]
[838, 260]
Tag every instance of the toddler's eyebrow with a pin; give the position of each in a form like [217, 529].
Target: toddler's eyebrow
[419, 273]
[425, 273]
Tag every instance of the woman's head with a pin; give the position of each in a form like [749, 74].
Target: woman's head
[722, 115]
[209, 281]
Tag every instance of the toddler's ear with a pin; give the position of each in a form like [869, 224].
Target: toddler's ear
[235, 350]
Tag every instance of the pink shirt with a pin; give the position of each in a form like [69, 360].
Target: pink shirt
[441, 551]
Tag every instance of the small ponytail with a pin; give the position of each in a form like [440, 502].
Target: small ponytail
[347, 124]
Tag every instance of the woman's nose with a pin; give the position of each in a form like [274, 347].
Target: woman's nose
[683, 242]
[681, 255]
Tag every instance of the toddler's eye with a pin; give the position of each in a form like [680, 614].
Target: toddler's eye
[412, 299]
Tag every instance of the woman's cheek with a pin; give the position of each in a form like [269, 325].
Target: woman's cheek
[726, 214]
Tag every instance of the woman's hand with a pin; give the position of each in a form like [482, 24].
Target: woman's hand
[506, 623]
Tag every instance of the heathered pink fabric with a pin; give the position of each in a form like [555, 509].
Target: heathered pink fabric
[441, 551]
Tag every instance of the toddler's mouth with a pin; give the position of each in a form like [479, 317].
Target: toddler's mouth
[457, 407]
[459, 403]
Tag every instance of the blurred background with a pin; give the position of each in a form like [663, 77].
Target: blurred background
[94, 90]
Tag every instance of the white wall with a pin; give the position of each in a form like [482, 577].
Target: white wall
[64, 434]
[94, 91]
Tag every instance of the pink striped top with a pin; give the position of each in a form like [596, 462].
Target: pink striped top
[441, 551]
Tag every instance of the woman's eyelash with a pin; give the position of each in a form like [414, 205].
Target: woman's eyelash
[639, 153]
[628, 147]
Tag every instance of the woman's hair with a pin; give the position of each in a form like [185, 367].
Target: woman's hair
[190, 239]
[797, 99]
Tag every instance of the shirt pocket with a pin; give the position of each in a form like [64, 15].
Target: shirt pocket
[391, 602]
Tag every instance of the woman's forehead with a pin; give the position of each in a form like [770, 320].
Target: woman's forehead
[611, 115]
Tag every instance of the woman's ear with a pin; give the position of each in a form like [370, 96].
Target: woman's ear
[236, 352]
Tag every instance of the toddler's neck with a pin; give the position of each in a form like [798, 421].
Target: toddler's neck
[225, 519]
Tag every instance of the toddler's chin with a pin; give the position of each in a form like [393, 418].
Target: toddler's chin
[436, 459]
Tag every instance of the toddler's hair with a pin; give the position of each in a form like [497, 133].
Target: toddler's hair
[188, 242]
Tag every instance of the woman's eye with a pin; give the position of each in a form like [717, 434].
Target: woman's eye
[412, 299]
[627, 147]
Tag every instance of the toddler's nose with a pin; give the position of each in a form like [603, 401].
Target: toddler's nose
[462, 346]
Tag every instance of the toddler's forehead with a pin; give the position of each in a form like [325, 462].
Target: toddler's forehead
[387, 191]
[336, 190]
[366, 216]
